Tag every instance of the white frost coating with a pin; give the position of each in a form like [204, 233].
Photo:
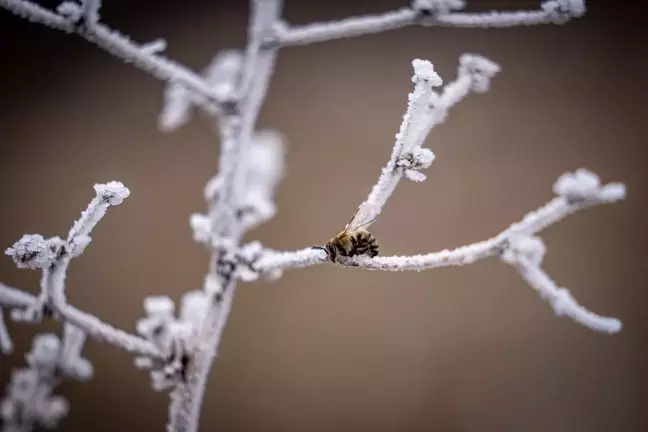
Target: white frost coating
[29, 401]
[562, 301]
[174, 337]
[201, 228]
[408, 140]
[156, 46]
[524, 247]
[53, 256]
[585, 185]
[516, 246]
[193, 307]
[423, 70]
[32, 251]
[90, 11]
[265, 166]
[221, 75]
[480, 69]
[113, 192]
[438, 7]
[224, 73]
[70, 10]
[428, 13]
[6, 346]
[265, 169]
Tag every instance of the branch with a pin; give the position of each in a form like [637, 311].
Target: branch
[12, 298]
[516, 246]
[72, 18]
[226, 225]
[425, 109]
[53, 256]
[29, 399]
[427, 13]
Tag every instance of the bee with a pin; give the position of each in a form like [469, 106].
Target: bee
[353, 240]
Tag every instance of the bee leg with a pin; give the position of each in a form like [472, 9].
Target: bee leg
[373, 250]
[330, 252]
[363, 250]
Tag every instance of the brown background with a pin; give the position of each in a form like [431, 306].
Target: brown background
[460, 349]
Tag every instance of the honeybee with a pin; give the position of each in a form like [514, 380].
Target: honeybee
[354, 239]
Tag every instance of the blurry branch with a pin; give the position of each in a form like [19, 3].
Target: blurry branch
[427, 13]
[29, 401]
[11, 298]
[82, 19]
[53, 257]
[225, 219]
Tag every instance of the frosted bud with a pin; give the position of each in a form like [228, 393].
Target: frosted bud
[70, 10]
[53, 410]
[212, 188]
[612, 192]
[45, 351]
[524, 247]
[424, 71]
[32, 251]
[414, 160]
[22, 384]
[224, 73]
[159, 306]
[575, 8]
[113, 192]
[193, 307]
[211, 284]
[580, 185]
[429, 9]
[560, 11]
[7, 410]
[176, 109]
[201, 227]
[480, 69]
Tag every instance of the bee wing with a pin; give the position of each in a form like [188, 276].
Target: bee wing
[361, 219]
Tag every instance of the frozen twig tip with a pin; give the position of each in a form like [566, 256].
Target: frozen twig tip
[424, 70]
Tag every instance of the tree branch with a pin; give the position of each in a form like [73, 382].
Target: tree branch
[83, 20]
[427, 13]
[53, 256]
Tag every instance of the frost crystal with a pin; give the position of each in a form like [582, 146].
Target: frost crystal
[32, 251]
[113, 192]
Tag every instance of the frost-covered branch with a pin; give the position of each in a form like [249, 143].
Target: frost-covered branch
[517, 245]
[53, 257]
[29, 401]
[16, 300]
[226, 223]
[72, 17]
[427, 13]
[425, 109]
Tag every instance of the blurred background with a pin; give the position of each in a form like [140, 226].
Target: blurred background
[327, 348]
